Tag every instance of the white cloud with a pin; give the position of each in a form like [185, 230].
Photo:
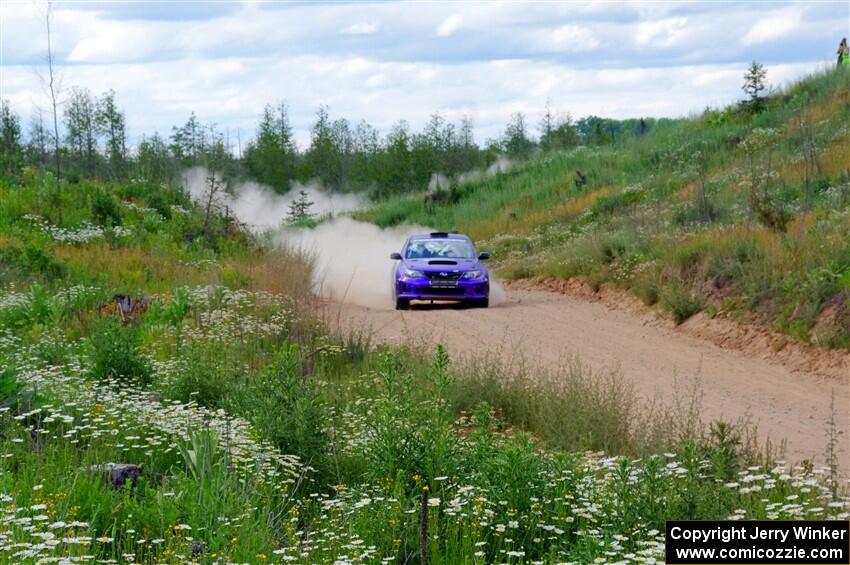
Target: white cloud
[772, 27]
[127, 42]
[232, 93]
[361, 28]
[570, 38]
[596, 58]
[449, 25]
[661, 33]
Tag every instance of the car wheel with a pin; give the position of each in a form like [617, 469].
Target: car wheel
[483, 303]
[402, 304]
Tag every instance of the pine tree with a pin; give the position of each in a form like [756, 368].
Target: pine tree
[755, 81]
[397, 170]
[272, 156]
[82, 127]
[153, 160]
[322, 152]
[299, 210]
[38, 138]
[465, 150]
[188, 142]
[547, 126]
[110, 122]
[10, 137]
[515, 140]
[367, 147]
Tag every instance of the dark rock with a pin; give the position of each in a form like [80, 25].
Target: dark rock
[119, 473]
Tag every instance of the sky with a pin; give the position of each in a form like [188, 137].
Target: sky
[387, 61]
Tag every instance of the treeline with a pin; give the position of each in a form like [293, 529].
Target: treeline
[341, 154]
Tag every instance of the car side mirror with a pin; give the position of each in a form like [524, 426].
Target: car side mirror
[483, 256]
[395, 256]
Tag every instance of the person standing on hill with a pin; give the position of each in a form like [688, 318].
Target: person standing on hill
[843, 53]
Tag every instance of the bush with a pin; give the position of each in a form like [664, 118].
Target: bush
[10, 388]
[30, 260]
[679, 301]
[605, 205]
[104, 209]
[115, 353]
[697, 213]
[284, 406]
[646, 286]
[157, 201]
[202, 379]
[411, 433]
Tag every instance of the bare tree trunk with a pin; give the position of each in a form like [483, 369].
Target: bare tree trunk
[55, 105]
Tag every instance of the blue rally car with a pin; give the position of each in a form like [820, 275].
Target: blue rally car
[440, 266]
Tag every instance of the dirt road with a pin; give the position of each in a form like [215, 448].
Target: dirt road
[549, 328]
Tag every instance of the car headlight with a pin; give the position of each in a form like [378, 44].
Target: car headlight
[472, 275]
[411, 274]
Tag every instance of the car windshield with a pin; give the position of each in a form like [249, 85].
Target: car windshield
[440, 249]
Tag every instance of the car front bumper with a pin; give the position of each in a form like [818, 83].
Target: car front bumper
[422, 289]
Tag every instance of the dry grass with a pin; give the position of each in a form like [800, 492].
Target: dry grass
[134, 268]
[279, 271]
[579, 204]
[575, 408]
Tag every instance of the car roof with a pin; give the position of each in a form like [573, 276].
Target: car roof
[440, 235]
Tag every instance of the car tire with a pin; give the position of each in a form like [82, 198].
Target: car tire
[481, 303]
[402, 304]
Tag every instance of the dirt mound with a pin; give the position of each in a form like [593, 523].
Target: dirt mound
[833, 323]
[747, 336]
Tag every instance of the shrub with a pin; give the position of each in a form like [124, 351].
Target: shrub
[104, 209]
[518, 270]
[36, 307]
[157, 201]
[771, 213]
[411, 434]
[10, 389]
[41, 310]
[701, 212]
[39, 260]
[609, 204]
[115, 353]
[30, 260]
[284, 405]
[646, 285]
[202, 379]
[679, 301]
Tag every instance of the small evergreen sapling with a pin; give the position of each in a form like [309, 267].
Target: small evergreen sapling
[299, 210]
[755, 81]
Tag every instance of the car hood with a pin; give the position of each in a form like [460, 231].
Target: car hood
[444, 265]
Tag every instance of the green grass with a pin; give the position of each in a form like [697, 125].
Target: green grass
[674, 215]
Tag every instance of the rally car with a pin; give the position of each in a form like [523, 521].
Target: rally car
[440, 266]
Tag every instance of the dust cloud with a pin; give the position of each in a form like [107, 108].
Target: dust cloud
[500, 166]
[352, 259]
[262, 208]
[352, 262]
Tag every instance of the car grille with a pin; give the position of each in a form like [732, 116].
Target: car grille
[437, 276]
[449, 291]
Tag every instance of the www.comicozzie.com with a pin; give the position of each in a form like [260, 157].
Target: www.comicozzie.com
[762, 542]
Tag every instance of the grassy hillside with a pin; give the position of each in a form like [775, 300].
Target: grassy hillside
[732, 212]
[137, 329]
